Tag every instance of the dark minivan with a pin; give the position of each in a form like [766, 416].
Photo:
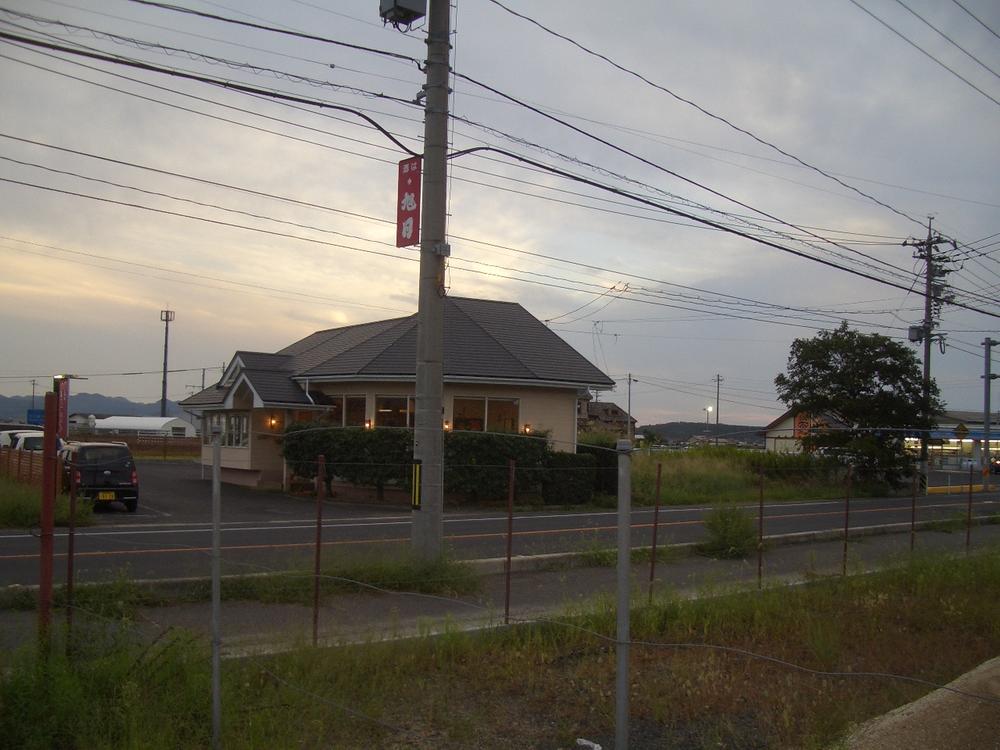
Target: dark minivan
[102, 473]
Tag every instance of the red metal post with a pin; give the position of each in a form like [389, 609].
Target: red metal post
[913, 515]
[511, 477]
[760, 530]
[656, 526]
[847, 518]
[47, 522]
[968, 515]
[320, 498]
[31, 466]
[20, 454]
[70, 548]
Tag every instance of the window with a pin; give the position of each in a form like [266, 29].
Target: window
[469, 414]
[234, 429]
[502, 415]
[236, 433]
[355, 411]
[392, 411]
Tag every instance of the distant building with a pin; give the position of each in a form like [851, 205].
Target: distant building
[144, 427]
[604, 415]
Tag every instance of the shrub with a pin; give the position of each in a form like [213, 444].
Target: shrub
[569, 479]
[376, 458]
[476, 464]
[601, 445]
[731, 533]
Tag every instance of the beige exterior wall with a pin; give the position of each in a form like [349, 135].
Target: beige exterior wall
[781, 438]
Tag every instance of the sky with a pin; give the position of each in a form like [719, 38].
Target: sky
[812, 125]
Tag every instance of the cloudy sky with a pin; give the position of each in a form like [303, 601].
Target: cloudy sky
[260, 221]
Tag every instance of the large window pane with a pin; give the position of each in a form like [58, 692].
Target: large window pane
[469, 414]
[503, 415]
[355, 411]
[390, 411]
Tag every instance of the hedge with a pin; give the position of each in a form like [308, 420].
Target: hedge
[569, 479]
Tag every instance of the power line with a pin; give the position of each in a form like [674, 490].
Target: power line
[976, 18]
[708, 222]
[952, 41]
[922, 51]
[242, 88]
[701, 109]
[275, 29]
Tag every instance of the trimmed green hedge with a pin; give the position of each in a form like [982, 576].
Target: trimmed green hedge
[569, 479]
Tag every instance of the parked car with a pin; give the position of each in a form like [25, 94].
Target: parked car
[7, 437]
[32, 440]
[102, 473]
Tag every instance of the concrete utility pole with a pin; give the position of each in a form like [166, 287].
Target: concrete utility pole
[166, 316]
[628, 408]
[925, 252]
[428, 435]
[988, 343]
[718, 383]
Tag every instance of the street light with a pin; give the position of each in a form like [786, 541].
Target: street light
[708, 413]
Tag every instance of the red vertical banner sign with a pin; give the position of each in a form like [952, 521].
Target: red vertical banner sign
[408, 203]
[62, 421]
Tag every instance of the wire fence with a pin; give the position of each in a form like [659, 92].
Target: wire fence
[646, 534]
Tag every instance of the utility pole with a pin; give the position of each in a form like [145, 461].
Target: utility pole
[988, 344]
[427, 533]
[166, 316]
[933, 298]
[718, 382]
[33, 381]
[628, 407]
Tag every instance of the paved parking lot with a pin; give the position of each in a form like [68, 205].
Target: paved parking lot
[175, 492]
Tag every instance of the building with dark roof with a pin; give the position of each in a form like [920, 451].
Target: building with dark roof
[504, 371]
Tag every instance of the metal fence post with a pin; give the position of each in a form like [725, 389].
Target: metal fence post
[968, 515]
[511, 478]
[656, 525]
[624, 569]
[216, 591]
[320, 498]
[847, 518]
[70, 550]
[913, 515]
[760, 530]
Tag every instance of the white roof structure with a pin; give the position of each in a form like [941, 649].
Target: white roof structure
[147, 425]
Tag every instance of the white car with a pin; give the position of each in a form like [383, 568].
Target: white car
[32, 441]
[8, 437]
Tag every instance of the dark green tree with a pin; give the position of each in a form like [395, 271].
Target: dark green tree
[869, 389]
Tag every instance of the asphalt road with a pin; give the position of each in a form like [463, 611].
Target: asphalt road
[170, 535]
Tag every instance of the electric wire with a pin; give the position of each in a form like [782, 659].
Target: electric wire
[952, 41]
[976, 18]
[921, 50]
[701, 109]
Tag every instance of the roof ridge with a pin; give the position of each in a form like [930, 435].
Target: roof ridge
[338, 332]
[404, 330]
[499, 343]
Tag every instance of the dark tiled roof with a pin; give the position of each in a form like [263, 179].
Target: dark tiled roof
[275, 387]
[214, 395]
[482, 339]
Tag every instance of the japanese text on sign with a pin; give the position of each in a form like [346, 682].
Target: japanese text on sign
[408, 203]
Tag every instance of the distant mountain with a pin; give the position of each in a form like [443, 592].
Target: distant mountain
[16, 407]
[682, 432]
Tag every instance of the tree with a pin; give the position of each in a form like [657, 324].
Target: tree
[871, 389]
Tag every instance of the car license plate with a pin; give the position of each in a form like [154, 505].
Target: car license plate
[106, 496]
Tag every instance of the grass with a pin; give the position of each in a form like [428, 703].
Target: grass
[536, 686]
[123, 596]
[21, 507]
[731, 533]
[710, 475]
